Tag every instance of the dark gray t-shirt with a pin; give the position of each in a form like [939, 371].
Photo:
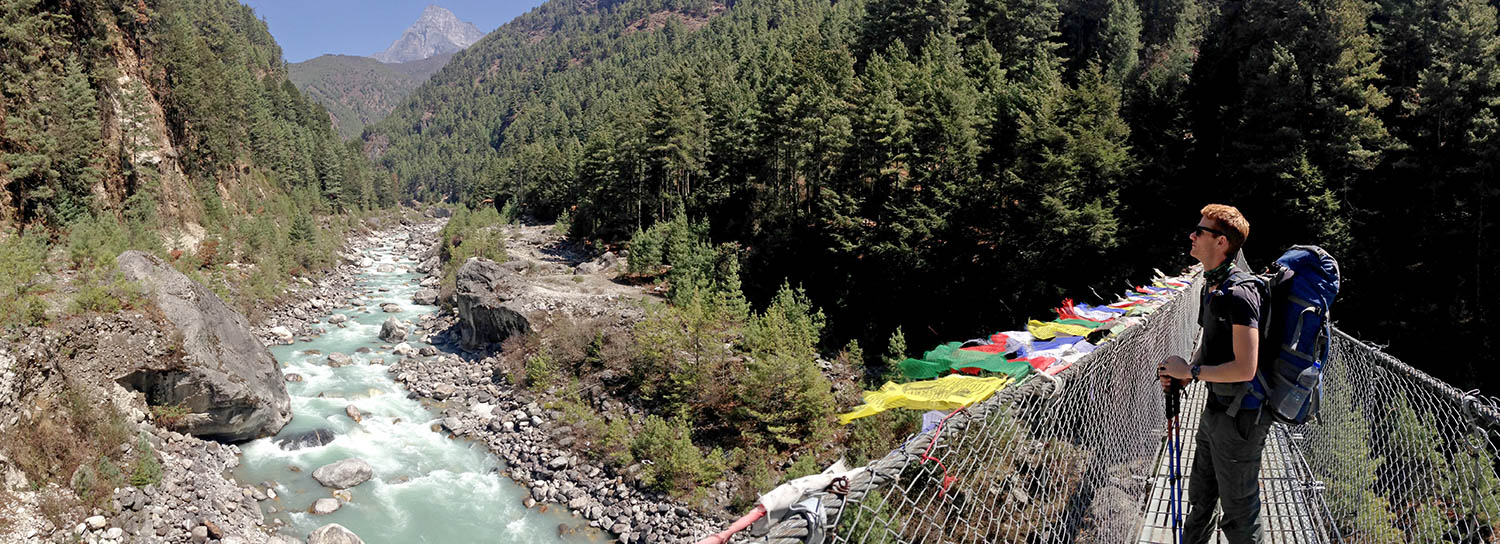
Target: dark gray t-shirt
[1223, 308]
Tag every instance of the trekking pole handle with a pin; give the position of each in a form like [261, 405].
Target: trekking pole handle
[1173, 399]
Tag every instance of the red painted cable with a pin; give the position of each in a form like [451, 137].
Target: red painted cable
[926, 455]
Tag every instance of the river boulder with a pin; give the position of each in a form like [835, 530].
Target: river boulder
[333, 533]
[325, 506]
[392, 330]
[344, 474]
[337, 359]
[427, 297]
[308, 439]
[482, 289]
[231, 386]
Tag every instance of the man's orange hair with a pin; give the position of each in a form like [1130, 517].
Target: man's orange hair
[1229, 219]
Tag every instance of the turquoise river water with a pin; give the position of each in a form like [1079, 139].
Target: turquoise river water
[427, 486]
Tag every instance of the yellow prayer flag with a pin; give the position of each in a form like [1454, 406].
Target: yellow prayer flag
[945, 393]
[1048, 331]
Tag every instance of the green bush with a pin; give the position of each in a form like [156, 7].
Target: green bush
[872, 522]
[541, 370]
[695, 264]
[94, 242]
[106, 298]
[302, 230]
[804, 465]
[754, 465]
[94, 484]
[509, 214]
[616, 442]
[21, 260]
[870, 438]
[677, 466]
[783, 392]
[147, 469]
[645, 251]
[564, 224]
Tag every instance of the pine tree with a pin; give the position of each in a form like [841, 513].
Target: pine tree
[909, 23]
[1102, 32]
[1286, 108]
[677, 131]
[75, 125]
[1348, 467]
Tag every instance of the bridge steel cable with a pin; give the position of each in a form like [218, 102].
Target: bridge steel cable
[1396, 456]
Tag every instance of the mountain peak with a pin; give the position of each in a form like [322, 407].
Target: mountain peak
[436, 32]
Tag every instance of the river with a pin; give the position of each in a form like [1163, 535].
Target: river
[427, 486]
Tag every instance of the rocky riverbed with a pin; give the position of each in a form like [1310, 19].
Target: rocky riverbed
[544, 278]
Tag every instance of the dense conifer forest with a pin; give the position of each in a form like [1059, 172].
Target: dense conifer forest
[953, 167]
[167, 126]
[357, 91]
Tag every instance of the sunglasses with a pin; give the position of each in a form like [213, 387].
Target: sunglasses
[1200, 229]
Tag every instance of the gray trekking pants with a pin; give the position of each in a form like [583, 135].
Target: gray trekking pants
[1225, 470]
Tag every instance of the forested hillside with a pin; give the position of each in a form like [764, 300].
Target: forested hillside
[358, 91]
[954, 167]
[168, 126]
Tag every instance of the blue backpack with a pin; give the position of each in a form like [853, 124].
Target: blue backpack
[1296, 293]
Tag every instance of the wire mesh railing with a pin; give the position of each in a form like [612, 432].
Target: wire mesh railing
[1396, 456]
[1399, 456]
[1038, 462]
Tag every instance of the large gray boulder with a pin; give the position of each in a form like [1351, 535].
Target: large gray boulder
[482, 289]
[344, 474]
[229, 383]
[425, 296]
[392, 330]
[333, 533]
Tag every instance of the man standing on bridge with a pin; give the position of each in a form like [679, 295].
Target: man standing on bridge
[1231, 437]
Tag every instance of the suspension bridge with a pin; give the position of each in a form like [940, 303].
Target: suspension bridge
[1397, 456]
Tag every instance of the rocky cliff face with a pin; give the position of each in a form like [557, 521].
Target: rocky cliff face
[176, 115]
[438, 31]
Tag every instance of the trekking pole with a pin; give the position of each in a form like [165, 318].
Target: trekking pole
[1174, 457]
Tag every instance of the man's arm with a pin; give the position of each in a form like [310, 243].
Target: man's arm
[1242, 368]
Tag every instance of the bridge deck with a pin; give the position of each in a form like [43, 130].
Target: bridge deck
[1284, 508]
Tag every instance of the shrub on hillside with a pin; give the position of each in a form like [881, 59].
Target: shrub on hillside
[94, 243]
[646, 251]
[98, 296]
[21, 261]
[783, 391]
[677, 466]
[147, 469]
[692, 262]
[73, 443]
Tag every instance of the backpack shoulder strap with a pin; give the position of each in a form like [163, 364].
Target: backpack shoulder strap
[1262, 287]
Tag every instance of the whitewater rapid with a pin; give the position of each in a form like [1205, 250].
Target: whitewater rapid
[427, 486]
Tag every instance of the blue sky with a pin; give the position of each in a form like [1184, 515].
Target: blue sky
[308, 28]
